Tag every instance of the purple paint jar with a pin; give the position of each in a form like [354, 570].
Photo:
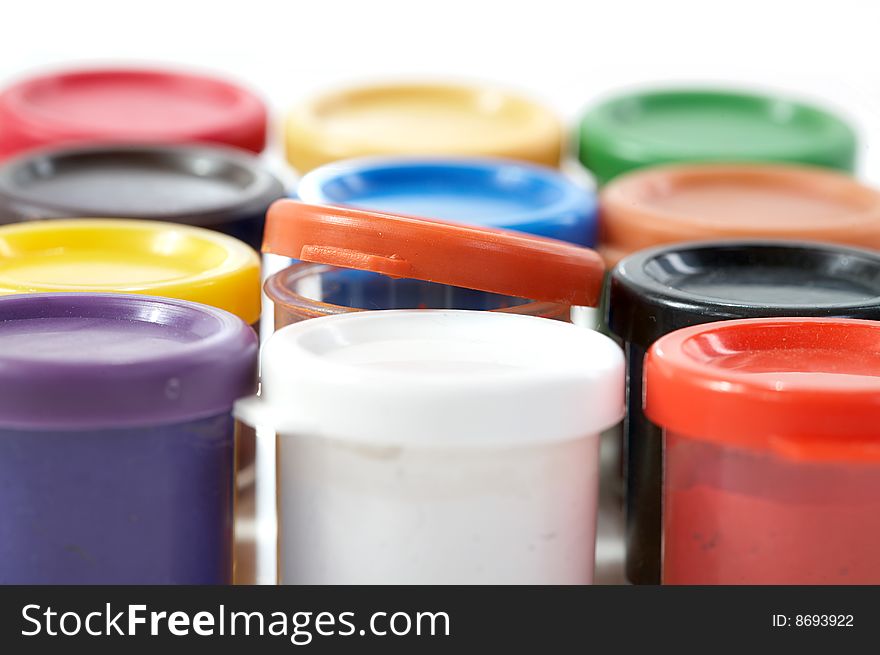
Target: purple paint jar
[116, 438]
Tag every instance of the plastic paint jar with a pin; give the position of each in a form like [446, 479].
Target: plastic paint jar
[491, 192]
[116, 438]
[494, 269]
[467, 452]
[647, 128]
[128, 105]
[222, 189]
[131, 256]
[772, 453]
[421, 119]
[671, 204]
[657, 291]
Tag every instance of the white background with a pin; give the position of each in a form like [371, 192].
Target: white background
[565, 53]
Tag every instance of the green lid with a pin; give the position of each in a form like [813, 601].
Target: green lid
[656, 127]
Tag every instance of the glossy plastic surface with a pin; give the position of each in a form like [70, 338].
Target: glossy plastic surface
[490, 192]
[496, 261]
[130, 256]
[305, 290]
[690, 125]
[657, 291]
[805, 389]
[128, 105]
[217, 188]
[672, 204]
[421, 119]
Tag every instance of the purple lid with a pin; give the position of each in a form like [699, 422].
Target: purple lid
[91, 360]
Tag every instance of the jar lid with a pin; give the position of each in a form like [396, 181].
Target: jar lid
[84, 361]
[678, 125]
[656, 291]
[128, 105]
[196, 185]
[802, 388]
[689, 202]
[484, 259]
[419, 119]
[492, 192]
[439, 378]
[131, 256]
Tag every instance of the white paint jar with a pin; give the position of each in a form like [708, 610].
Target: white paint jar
[437, 447]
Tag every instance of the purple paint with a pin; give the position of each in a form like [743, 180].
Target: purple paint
[116, 441]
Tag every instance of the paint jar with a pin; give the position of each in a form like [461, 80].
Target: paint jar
[657, 291]
[421, 119]
[102, 105]
[772, 453]
[218, 188]
[671, 204]
[478, 191]
[467, 452]
[131, 256]
[653, 127]
[116, 438]
[489, 268]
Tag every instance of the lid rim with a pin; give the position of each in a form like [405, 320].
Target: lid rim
[208, 373]
[264, 189]
[601, 151]
[632, 221]
[305, 380]
[244, 124]
[641, 309]
[574, 203]
[820, 415]
[232, 284]
[307, 145]
[455, 254]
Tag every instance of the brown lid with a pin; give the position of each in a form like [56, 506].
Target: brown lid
[667, 204]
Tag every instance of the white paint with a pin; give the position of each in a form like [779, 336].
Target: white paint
[353, 514]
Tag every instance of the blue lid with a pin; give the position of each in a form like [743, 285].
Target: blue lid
[485, 192]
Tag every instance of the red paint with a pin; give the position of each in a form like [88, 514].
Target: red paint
[736, 517]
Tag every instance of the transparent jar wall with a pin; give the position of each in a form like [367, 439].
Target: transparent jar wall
[740, 517]
[307, 290]
[361, 514]
[148, 505]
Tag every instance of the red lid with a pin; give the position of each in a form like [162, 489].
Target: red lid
[128, 105]
[497, 261]
[803, 388]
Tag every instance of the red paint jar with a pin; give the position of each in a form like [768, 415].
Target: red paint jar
[772, 451]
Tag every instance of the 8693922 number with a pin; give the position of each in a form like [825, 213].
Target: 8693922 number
[823, 620]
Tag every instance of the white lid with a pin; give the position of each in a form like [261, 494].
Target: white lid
[436, 377]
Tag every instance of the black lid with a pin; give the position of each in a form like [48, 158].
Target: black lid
[656, 291]
[196, 185]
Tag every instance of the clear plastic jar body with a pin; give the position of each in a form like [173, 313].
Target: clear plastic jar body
[736, 516]
[305, 290]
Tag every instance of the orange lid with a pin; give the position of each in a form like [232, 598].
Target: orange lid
[667, 204]
[497, 261]
[802, 388]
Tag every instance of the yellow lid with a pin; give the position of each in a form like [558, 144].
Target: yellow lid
[420, 119]
[131, 256]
